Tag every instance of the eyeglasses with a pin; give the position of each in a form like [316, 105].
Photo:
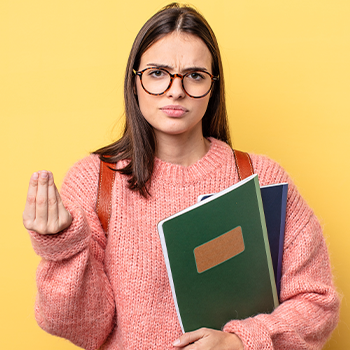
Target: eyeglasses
[156, 81]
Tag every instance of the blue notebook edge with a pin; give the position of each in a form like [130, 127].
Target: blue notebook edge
[282, 232]
[267, 245]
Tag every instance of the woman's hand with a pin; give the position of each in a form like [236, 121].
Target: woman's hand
[208, 339]
[44, 211]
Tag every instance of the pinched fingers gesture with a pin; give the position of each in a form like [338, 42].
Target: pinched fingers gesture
[44, 211]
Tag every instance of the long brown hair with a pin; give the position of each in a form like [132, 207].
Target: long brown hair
[138, 143]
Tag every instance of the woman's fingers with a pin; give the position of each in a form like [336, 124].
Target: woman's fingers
[189, 337]
[52, 203]
[29, 212]
[205, 338]
[44, 211]
[42, 201]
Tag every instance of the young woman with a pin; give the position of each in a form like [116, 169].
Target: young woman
[114, 293]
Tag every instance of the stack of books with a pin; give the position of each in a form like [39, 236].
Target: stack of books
[224, 254]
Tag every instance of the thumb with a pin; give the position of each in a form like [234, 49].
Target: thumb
[190, 337]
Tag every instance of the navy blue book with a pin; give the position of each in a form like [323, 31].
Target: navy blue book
[274, 198]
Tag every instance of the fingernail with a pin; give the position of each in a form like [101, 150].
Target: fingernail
[43, 174]
[35, 176]
[176, 342]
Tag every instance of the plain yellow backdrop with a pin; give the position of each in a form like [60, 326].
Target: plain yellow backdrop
[287, 71]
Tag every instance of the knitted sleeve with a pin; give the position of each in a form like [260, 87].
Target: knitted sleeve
[309, 307]
[75, 299]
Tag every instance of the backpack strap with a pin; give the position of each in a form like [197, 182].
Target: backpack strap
[104, 195]
[107, 177]
[243, 163]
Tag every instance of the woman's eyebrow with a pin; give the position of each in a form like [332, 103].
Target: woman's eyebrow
[185, 70]
[158, 65]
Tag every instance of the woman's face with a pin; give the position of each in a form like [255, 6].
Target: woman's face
[174, 112]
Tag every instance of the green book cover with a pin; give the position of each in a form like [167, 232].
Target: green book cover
[218, 258]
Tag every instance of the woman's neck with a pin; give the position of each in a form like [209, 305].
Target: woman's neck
[183, 150]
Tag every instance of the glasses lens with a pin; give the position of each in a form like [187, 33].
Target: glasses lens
[155, 81]
[197, 83]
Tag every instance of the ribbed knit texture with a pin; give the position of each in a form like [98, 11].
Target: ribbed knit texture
[115, 293]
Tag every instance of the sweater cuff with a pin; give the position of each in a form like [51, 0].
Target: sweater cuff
[252, 333]
[66, 243]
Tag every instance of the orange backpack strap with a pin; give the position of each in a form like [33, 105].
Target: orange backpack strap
[244, 164]
[104, 195]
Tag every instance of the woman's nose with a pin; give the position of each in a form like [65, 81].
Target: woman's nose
[176, 89]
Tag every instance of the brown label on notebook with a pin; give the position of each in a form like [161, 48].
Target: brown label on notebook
[219, 249]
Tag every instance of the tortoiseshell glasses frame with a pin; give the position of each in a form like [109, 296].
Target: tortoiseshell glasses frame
[177, 75]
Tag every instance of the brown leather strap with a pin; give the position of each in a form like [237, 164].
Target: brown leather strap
[104, 195]
[244, 164]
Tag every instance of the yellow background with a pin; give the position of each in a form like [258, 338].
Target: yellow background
[287, 70]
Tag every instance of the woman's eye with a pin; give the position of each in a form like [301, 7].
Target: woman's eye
[157, 73]
[196, 76]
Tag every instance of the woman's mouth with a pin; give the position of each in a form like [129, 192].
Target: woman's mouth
[174, 110]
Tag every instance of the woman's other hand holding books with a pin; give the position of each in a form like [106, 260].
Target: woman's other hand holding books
[208, 339]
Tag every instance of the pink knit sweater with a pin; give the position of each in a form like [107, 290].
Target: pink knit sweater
[114, 294]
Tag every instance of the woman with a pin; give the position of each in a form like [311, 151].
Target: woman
[114, 293]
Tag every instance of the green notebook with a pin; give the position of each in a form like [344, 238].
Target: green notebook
[218, 258]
